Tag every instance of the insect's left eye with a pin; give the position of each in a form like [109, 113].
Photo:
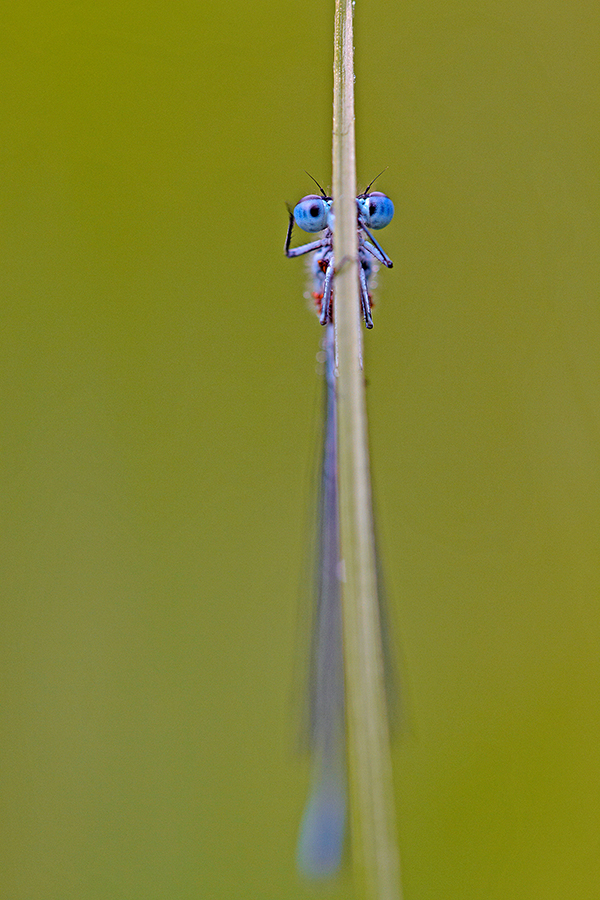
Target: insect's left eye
[312, 212]
[377, 210]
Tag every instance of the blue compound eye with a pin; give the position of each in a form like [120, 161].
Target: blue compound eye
[312, 212]
[377, 210]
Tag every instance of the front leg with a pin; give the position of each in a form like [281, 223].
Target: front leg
[365, 299]
[375, 249]
[305, 248]
[326, 310]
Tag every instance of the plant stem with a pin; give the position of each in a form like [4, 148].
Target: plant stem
[374, 842]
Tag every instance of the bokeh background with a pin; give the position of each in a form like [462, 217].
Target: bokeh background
[159, 404]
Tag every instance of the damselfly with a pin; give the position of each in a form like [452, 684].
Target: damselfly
[315, 213]
[321, 838]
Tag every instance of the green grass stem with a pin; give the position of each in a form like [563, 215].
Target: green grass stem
[374, 841]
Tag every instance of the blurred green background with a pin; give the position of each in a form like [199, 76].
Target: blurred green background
[158, 413]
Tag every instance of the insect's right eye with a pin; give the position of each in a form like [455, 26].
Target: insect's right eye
[377, 209]
[312, 212]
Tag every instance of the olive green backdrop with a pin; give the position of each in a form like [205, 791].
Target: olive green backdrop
[158, 416]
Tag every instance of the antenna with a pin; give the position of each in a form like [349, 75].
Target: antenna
[365, 193]
[325, 197]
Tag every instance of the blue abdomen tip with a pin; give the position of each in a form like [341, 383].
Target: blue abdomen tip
[321, 838]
